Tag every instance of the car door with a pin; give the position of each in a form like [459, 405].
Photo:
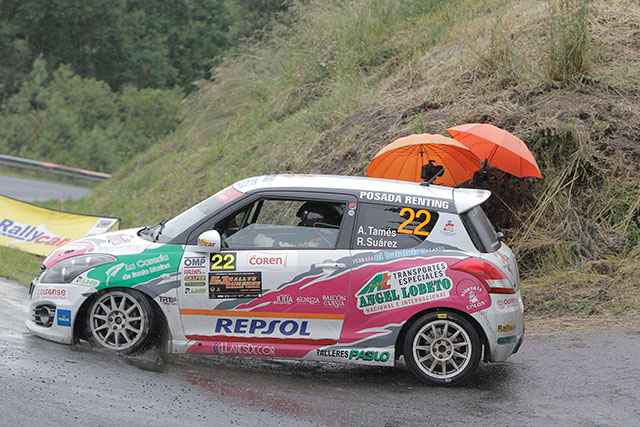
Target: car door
[279, 283]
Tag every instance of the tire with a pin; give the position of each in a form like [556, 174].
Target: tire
[120, 320]
[442, 348]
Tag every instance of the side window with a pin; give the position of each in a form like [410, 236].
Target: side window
[391, 227]
[280, 223]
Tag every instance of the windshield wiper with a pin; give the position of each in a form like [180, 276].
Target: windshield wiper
[159, 226]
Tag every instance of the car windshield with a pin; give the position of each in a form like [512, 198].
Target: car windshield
[180, 223]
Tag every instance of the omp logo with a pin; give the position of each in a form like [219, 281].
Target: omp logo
[377, 284]
[28, 233]
[268, 261]
[195, 262]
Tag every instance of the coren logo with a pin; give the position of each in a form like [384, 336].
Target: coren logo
[268, 261]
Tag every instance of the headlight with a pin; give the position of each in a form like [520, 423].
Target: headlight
[67, 270]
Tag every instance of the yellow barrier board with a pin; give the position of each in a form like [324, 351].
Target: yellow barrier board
[40, 231]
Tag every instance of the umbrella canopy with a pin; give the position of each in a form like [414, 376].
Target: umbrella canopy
[499, 148]
[403, 159]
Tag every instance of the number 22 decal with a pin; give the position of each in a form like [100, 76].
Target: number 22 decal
[413, 215]
[223, 261]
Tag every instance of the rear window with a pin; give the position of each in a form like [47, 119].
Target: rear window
[481, 230]
[391, 227]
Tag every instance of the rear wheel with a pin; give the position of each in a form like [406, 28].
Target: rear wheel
[442, 348]
[120, 320]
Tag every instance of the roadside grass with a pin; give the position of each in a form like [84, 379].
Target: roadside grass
[19, 266]
[608, 287]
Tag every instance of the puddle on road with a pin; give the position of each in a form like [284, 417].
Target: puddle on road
[262, 399]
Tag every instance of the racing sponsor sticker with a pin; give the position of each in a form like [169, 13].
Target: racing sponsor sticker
[51, 294]
[235, 285]
[507, 340]
[268, 261]
[243, 349]
[448, 229]
[404, 199]
[506, 328]
[308, 300]
[195, 278]
[83, 280]
[411, 286]
[283, 299]
[475, 296]
[364, 355]
[168, 300]
[191, 284]
[63, 317]
[195, 262]
[282, 328]
[227, 195]
[334, 301]
[505, 303]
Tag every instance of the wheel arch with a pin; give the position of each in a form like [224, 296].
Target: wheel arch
[399, 346]
[161, 336]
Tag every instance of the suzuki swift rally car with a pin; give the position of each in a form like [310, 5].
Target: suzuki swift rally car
[325, 268]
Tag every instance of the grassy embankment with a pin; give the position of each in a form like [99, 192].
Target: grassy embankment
[324, 94]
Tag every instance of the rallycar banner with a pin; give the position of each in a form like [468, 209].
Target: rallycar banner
[40, 231]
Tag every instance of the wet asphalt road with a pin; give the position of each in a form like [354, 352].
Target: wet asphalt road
[579, 378]
[30, 190]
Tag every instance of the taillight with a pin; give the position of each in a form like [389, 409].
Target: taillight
[491, 276]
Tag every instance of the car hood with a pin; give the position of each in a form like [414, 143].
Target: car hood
[122, 242]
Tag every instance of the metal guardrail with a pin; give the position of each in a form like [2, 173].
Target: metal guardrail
[19, 162]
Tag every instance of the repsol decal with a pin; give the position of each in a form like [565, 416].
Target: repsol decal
[259, 327]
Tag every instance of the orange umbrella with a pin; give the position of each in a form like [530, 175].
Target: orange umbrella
[499, 148]
[403, 159]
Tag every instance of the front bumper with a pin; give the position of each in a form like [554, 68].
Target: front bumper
[54, 310]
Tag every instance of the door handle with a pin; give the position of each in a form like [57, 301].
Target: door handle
[333, 265]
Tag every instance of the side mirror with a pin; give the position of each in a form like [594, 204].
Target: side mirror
[209, 241]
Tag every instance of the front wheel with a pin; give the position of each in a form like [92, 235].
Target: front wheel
[120, 320]
[442, 348]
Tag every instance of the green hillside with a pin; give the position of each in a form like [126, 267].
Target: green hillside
[326, 91]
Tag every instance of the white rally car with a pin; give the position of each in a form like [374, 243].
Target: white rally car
[312, 267]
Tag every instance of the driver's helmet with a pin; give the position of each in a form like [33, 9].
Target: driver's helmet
[312, 213]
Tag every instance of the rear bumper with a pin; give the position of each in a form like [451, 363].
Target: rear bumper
[503, 325]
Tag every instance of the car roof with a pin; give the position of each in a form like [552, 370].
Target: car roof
[369, 189]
